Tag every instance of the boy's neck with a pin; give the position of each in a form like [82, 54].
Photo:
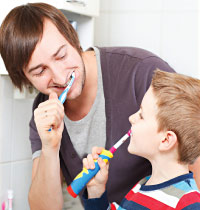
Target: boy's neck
[163, 171]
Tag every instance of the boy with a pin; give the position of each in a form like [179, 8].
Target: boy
[166, 131]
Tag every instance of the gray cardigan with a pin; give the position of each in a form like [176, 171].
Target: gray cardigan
[126, 73]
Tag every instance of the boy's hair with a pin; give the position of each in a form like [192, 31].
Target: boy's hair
[20, 32]
[178, 101]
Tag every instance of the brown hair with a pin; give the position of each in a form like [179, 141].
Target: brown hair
[20, 32]
[178, 101]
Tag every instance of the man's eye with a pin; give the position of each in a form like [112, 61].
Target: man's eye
[40, 73]
[61, 57]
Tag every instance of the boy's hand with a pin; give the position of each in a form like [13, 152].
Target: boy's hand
[97, 185]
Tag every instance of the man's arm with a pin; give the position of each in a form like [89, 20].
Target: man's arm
[46, 188]
[195, 168]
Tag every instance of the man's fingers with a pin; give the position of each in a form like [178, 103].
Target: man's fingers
[53, 95]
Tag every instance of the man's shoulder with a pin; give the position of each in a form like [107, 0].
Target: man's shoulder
[132, 52]
[131, 60]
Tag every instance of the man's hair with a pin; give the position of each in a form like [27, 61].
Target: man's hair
[20, 32]
[178, 101]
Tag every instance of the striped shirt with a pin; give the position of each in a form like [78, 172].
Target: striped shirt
[179, 193]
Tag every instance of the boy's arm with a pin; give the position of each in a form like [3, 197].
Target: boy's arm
[195, 168]
[96, 203]
[97, 185]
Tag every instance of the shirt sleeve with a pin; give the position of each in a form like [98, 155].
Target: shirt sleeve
[36, 144]
[95, 203]
[35, 140]
[189, 201]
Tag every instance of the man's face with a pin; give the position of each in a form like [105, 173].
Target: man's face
[145, 137]
[53, 62]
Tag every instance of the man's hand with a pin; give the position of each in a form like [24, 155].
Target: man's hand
[50, 114]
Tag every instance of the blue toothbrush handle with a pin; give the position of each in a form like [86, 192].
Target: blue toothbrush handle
[63, 95]
[62, 98]
[86, 175]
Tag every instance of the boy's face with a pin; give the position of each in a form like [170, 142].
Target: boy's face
[145, 138]
[53, 62]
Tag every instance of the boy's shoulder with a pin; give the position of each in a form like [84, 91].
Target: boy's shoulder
[189, 194]
[177, 193]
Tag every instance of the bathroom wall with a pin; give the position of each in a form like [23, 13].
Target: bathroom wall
[15, 152]
[169, 28]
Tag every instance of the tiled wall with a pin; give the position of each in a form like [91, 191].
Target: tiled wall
[168, 28]
[15, 152]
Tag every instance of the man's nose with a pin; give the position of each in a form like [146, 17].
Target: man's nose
[58, 76]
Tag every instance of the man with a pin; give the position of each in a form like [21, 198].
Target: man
[40, 47]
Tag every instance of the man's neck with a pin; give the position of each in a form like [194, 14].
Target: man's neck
[78, 108]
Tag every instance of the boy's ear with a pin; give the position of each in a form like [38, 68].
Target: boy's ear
[168, 142]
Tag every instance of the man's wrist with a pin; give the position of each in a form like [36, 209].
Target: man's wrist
[50, 152]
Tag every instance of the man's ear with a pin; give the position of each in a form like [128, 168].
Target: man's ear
[168, 142]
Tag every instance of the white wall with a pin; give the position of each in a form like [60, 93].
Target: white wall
[169, 28]
[15, 151]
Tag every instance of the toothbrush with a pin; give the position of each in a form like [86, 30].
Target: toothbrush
[3, 205]
[120, 142]
[63, 95]
[10, 199]
[86, 174]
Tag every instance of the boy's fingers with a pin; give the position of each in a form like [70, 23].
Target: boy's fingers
[99, 150]
[90, 161]
[85, 163]
[96, 151]
[104, 166]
